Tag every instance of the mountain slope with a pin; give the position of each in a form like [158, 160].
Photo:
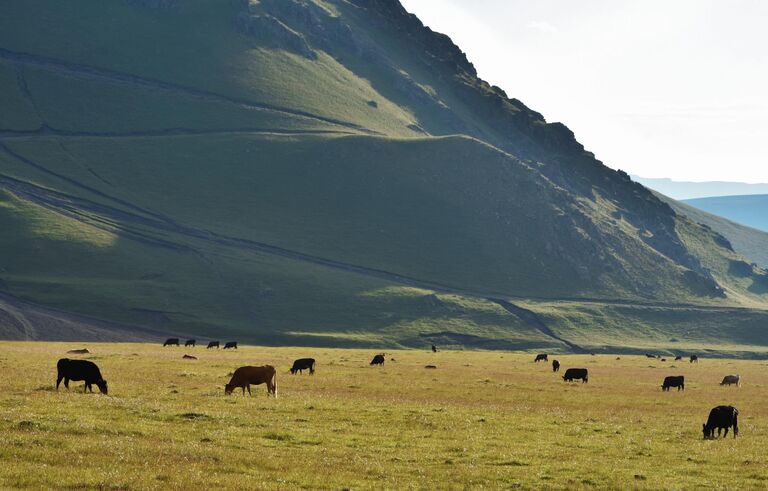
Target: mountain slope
[747, 241]
[292, 171]
[751, 211]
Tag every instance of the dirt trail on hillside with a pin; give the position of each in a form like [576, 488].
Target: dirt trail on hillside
[25, 321]
[90, 72]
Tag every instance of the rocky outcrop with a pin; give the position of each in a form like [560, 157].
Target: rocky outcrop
[271, 32]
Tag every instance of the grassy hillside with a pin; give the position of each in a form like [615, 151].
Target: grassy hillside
[490, 420]
[746, 210]
[747, 241]
[320, 172]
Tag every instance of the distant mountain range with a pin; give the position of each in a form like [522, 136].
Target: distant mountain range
[750, 210]
[683, 190]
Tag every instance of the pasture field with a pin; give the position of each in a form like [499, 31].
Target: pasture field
[480, 420]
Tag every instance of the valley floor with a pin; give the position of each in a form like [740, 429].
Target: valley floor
[480, 419]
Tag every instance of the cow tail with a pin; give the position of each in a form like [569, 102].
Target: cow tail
[274, 384]
[735, 422]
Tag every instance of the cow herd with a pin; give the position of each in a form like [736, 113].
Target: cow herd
[720, 417]
[191, 343]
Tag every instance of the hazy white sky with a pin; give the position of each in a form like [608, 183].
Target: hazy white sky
[658, 88]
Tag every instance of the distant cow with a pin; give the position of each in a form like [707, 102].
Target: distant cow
[171, 342]
[576, 373]
[674, 381]
[731, 379]
[189, 357]
[678, 358]
[244, 377]
[650, 356]
[378, 360]
[78, 370]
[721, 417]
[555, 366]
[190, 342]
[303, 364]
[430, 366]
[434, 349]
[694, 359]
[541, 357]
[231, 345]
[213, 344]
[83, 351]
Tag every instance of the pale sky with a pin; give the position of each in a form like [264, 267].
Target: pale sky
[658, 88]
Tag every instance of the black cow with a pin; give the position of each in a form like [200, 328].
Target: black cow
[303, 364]
[555, 366]
[721, 417]
[678, 381]
[576, 373]
[678, 358]
[171, 342]
[190, 342]
[231, 345]
[78, 370]
[434, 349]
[378, 360]
[541, 357]
[213, 344]
[650, 356]
[694, 359]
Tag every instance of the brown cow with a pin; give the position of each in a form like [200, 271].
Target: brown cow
[245, 376]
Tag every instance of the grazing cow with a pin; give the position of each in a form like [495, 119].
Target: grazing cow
[213, 344]
[231, 345]
[378, 360]
[731, 379]
[678, 358]
[721, 417]
[650, 356]
[78, 370]
[678, 381]
[430, 366]
[576, 373]
[663, 359]
[83, 351]
[189, 357]
[434, 349]
[244, 377]
[694, 359]
[541, 357]
[555, 366]
[303, 364]
[171, 342]
[190, 342]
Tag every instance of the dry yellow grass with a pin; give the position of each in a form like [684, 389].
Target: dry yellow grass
[481, 419]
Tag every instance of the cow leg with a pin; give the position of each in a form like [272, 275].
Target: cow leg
[58, 381]
[249, 390]
[66, 382]
[726, 431]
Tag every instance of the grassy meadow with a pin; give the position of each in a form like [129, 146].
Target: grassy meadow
[481, 419]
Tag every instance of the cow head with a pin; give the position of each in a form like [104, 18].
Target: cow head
[707, 431]
[228, 389]
[102, 385]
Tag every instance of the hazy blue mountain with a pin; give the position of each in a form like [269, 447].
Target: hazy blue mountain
[682, 190]
[750, 210]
